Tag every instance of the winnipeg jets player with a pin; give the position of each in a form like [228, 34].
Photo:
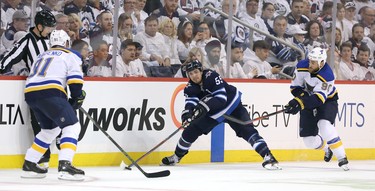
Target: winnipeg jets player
[207, 98]
[316, 99]
[45, 94]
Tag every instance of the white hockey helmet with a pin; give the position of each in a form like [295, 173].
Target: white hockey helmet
[318, 54]
[59, 37]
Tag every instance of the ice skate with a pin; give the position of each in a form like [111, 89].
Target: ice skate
[270, 163]
[32, 170]
[343, 163]
[171, 160]
[69, 172]
[44, 162]
[328, 155]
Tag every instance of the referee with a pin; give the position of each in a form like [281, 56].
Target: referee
[34, 43]
[27, 49]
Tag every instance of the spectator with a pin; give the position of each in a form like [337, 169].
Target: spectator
[220, 25]
[257, 66]
[190, 9]
[105, 30]
[314, 36]
[168, 29]
[8, 8]
[298, 36]
[214, 59]
[235, 67]
[125, 67]
[82, 47]
[97, 7]
[139, 16]
[128, 8]
[169, 10]
[184, 37]
[194, 54]
[138, 61]
[268, 11]
[368, 17]
[281, 54]
[307, 6]
[62, 21]
[155, 49]
[125, 27]
[49, 5]
[19, 69]
[75, 25]
[98, 64]
[359, 39]
[20, 21]
[362, 59]
[348, 69]
[251, 18]
[151, 5]
[341, 24]
[296, 16]
[325, 17]
[202, 35]
[85, 13]
[350, 19]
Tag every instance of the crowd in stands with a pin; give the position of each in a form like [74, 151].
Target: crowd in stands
[156, 38]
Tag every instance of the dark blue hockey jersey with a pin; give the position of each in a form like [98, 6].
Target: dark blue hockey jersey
[216, 93]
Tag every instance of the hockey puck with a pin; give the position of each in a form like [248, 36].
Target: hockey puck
[127, 168]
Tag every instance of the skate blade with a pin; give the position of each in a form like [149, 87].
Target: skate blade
[345, 167]
[33, 175]
[162, 164]
[69, 177]
[272, 167]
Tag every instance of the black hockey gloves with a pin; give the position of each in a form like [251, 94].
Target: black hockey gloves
[200, 110]
[186, 117]
[77, 102]
[294, 106]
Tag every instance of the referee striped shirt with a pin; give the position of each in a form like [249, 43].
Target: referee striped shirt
[27, 49]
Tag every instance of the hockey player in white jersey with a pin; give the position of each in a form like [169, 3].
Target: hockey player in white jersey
[45, 94]
[315, 97]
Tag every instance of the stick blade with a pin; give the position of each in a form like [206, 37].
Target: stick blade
[158, 174]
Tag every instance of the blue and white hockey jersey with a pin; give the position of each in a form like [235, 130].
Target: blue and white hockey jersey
[52, 72]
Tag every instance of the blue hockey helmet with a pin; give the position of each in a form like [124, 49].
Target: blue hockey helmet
[195, 64]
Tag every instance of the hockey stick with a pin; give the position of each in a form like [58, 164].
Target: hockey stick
[230, 118]
[148, 175]
[158, 145]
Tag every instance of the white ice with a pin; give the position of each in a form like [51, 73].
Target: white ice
[295, 176]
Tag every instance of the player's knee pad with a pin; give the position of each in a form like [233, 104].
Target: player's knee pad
[314, 142]
[48, 135]
[327, 130]
[71, 131]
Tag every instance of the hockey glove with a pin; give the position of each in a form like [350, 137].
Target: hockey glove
[77, 102]
[294, 106]
[186, 117]
[200, 110]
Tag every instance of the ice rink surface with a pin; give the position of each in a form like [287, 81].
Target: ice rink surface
[295, 176]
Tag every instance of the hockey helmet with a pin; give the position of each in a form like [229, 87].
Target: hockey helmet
[318, 54]
[59, 37]
[45, 18]
[195, 64]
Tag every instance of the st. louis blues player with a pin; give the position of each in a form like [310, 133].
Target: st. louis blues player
[315, 97]
[45, 93]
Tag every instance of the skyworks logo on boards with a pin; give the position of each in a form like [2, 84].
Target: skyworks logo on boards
[11, 114]
[124, 119]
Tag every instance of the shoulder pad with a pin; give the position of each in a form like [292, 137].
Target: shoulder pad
[326, 74]
[303, 65]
